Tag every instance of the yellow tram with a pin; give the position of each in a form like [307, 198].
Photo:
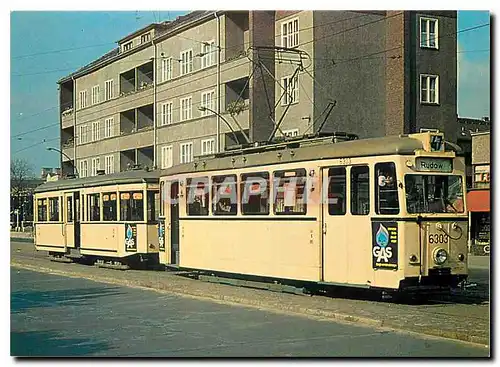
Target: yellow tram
[386, 213]
[109, 219]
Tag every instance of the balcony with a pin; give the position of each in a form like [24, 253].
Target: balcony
[67, 118]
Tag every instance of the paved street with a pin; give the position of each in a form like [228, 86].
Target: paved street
[59, 316]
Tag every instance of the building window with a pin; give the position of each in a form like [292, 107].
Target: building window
[428, 33]
[291, 90]
[95, 94]
[166, 113]
[108, 127]
[82, 134]
[109, 162]
[108, 90]
[186, 152]
[166, 69]
[96, 165]
[83, 171]
[208, 146]
[186, 108]
[167, 157]
[145, 37]
[83, 99]
[290, 33]
[429, 89]
[186, 62]
[95, 131]
[207, 101]
[127, 46]
[291, 133]
[208, 51]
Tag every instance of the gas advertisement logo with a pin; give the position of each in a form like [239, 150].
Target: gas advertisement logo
[385, 245]
[131, 237]
[161, 236]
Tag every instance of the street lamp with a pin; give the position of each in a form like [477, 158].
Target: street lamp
[203, 108]
[75, 172]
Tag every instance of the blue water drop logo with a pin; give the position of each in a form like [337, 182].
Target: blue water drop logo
[129, 231]
[382, 236]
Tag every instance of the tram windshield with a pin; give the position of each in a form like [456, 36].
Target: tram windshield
[434, 194]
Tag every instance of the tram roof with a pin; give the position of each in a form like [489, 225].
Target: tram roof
[127, 177]
[304, 150]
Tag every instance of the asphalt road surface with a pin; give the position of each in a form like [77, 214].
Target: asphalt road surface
[60, 316]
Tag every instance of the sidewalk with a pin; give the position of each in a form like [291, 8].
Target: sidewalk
[466, 321]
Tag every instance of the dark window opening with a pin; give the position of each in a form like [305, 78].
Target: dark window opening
[337, 202]
[290, 192]
[386, 189]
[255, 193]
[132, 206]
[198, 196]
[224, 195]
[109, 206]
[360, 190]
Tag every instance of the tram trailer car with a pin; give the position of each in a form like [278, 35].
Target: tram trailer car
[386, 213]
[109, 219]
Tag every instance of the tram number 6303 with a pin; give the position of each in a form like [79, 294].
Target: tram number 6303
[438, 238]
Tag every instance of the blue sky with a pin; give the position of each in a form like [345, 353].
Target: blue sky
[35, 69]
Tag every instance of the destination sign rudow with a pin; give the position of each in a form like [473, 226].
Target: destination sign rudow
[434, 164]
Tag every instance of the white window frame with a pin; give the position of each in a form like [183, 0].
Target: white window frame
[186, 61]
[423, 31]
[108, 127]
[127, 46]
[109, 164]
[95, 94]
[208, 146]
[96, 133]
[166, 69]
[95, 166]
[208, 100]
[286, 82]
[166, 111]
[186, 152]
[82, 134]
[83, 98]
[208, 49]
[83, 168]
[146, 37]
[291, 133]
[167, 151]
[108, 89]
[290, 35]
[425, 79]
[187, 109]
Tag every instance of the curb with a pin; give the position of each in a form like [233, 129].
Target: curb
[22, 239]
[271, 307]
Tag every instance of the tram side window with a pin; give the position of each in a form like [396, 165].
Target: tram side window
[255, 193]
[386, 189]
[93, 207]
[54, 209]
[109, 210]
[42, 210]
[360, 190]
[153, 205]
[337, 191]
[198, 196]
[224, 195]
[69, 208]
[132, 206]
[290, 192]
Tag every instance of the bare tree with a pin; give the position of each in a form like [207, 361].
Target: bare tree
[21, 171]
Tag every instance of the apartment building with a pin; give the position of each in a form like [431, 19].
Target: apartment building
[196, 85]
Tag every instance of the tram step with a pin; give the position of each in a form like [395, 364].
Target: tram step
[74, 253]
[252, 284]
[62, 259]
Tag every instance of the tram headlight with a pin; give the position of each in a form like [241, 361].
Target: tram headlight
[461, 257]
[440, 256]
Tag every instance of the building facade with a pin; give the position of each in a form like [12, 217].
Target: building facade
[198, 84]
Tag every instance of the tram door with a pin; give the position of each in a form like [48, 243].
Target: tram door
[173, 225]
[68, 224]
[335, 225]
[76, 218]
